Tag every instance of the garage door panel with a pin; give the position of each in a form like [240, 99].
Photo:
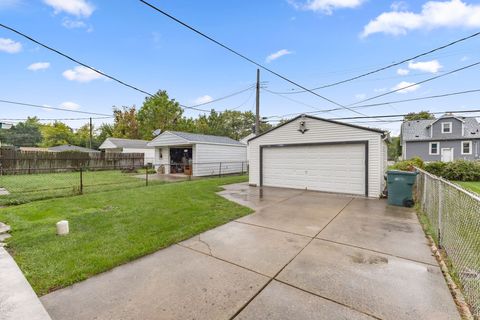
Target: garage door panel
[331, 168]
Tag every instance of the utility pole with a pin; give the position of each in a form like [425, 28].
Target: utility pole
[91, 133]
[257, 114]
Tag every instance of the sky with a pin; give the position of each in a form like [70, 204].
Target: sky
[312, 42]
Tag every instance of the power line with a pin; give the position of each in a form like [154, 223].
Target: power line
[54, 108]
[243, 56]
[392, 64]
[53, 119]
[224, 97]
[385, 103]
[89, 67]
[417, 83]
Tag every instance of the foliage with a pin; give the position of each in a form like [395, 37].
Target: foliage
[422, 115]
[56, 134]
[458, 170]
[408, 165]
[394, 149]
[103, 132]
[23, 134]
[110, 228]
[159, 112]
[125, 123]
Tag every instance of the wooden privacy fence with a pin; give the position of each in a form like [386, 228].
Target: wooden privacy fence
[29, 162]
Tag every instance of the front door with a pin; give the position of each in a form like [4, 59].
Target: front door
[447, 154]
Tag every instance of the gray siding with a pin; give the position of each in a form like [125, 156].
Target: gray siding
[457, 129]
[421, 149]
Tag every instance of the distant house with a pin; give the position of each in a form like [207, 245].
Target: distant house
[198, 154]
[68, 147]
[445, 139]
[117, 145]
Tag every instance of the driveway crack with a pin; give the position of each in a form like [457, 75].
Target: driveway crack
[205, 243]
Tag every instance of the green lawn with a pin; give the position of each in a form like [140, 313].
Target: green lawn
[470, 185]
[32, 187]
[111, 228]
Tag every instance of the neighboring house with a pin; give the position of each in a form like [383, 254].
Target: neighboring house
[68, 147]
[445, 139]
[198, 154]
[312, 153]
[117, 145]
[245, 141]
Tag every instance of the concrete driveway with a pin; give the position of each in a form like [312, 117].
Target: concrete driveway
[301, 255]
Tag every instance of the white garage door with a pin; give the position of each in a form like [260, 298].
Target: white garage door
[331, 168]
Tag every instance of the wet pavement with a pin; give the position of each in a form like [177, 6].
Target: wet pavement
[301, 255]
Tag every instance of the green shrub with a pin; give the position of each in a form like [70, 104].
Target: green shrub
[408, 165]
[458, 170]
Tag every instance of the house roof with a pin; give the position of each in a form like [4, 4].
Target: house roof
[198, 138]
[322, 119]
[419, 130]
[67, 147]
[124, 143]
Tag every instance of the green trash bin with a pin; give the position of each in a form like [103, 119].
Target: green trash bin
[400, 187]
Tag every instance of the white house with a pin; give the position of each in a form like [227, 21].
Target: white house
[198, 154]
[319, 154]
[117, 145]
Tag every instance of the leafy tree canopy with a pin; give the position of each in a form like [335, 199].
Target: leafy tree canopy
[422, 115]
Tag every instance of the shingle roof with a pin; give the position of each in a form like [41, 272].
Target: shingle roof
[418, 130]
[129, 143]
[195, 137]
[67, 147]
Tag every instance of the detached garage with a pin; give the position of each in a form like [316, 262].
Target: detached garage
[318, 154]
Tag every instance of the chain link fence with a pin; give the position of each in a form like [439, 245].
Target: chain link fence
[454, 216]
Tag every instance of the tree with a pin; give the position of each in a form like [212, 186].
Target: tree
[394, 149]
[57, 134]
[82, 137]
[160, 112]
[104, 131]
[23, 134]
[422, 115]
[125, 124]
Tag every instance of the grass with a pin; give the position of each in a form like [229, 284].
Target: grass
[111, 228]
[32, 187]
[470, 185]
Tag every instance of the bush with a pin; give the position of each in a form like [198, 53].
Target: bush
[458, 170]
[408, 165]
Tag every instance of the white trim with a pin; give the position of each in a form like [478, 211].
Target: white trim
[469, 147]
[430, 148]
[443, 127]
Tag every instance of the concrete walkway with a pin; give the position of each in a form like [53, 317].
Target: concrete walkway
[301, 255]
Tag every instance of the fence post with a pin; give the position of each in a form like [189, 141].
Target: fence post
[440, 211]
[220, 170]
[81, 180]
[146, 176]
[424, 195]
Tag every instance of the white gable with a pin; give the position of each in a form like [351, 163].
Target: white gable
[107, 144]
[168, 139]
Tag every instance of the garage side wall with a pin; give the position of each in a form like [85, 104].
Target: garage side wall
[322, 132]
[211, 159]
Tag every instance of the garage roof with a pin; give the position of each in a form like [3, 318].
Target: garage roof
[124, 143]
[321, 119]
[192, 138]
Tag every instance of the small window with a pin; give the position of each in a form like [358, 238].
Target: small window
[466, 147]
[446, 127]
[434, 148]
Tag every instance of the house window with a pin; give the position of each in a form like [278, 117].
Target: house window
[434, 148]
[466, 147]
[446, 127]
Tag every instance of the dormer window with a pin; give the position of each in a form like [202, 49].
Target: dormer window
[446, 127]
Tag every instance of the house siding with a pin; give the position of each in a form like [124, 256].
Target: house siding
[322, 131]
[457, 129]
[421, 149]
[207, 159]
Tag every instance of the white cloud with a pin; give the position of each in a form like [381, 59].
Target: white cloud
[399, 6]
[70, 105]
[434, 14]
[464, 58]
[326, 6]
[278, 54]
[73, 24]
[404, 84]
[81, 74]
[427, 66]
[47, 108]
[203, 99]
[360, 96]
[379, 90]
[10, 46]
[39, 66]
[79, 8]
[403, 72]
